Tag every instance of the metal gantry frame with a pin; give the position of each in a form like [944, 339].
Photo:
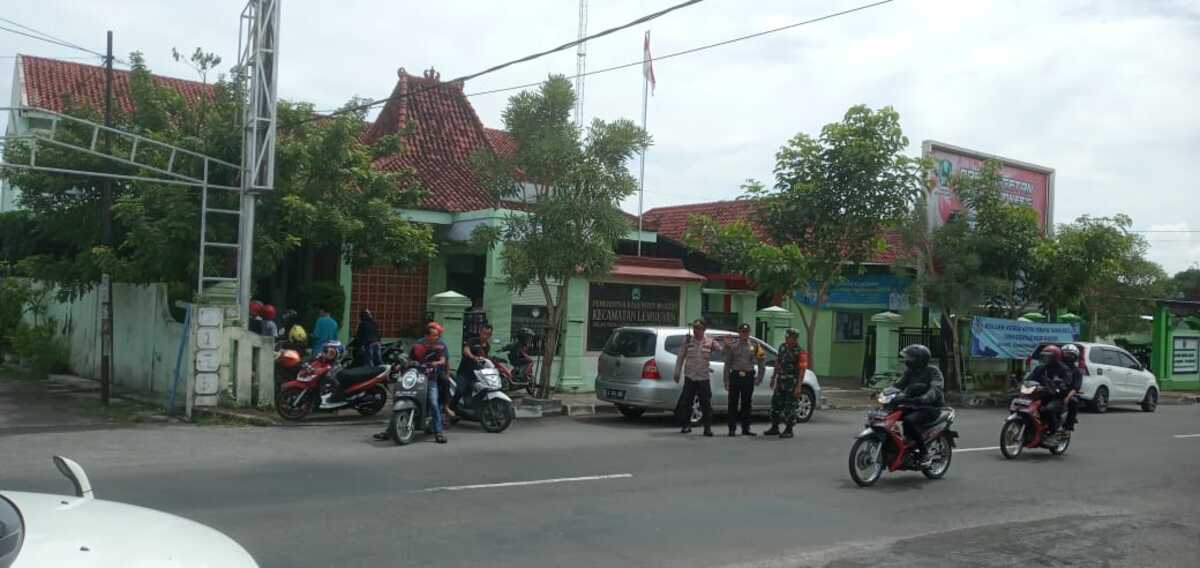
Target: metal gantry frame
[258, 57]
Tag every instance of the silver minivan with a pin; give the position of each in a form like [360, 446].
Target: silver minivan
[636, 372]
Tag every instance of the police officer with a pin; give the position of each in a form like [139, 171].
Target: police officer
[691, 366]
[744, 367]
[785, 385]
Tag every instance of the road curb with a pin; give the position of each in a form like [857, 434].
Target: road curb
[1179, 401]
[252, 419]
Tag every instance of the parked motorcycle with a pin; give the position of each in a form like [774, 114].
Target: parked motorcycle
[1024, 428]
[487, 403]
[882, 444]
[410, 406]
[367, 391]
[517, 377]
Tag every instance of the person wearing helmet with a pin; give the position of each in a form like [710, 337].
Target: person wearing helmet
[1070, 359]
[922, 392]
[432, 351]
[327, 361]
[1052, 374]
[255, 323]
[790, 367]
[268, 328]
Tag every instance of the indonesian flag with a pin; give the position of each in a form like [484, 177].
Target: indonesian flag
[648, 63]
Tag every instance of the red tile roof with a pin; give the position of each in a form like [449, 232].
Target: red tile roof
[445, 133]
[654, 268]
[50, 82]
[672, 222]
[502, 142]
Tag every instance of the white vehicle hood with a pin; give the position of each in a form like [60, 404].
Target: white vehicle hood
[63, 531]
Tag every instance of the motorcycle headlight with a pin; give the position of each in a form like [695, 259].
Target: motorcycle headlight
[885, 398]
[1028, 389]
[410, 379]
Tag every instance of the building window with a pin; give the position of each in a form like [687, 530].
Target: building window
[849, 326]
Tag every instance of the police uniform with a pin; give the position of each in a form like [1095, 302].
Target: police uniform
[744, 367]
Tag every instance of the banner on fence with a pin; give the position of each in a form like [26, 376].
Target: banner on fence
[994, 338]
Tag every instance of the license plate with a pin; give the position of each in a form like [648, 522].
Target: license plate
[614, 393]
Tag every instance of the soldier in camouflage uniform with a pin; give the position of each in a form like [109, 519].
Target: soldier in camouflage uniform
[785, 386]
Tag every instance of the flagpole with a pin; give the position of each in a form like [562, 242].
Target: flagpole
[642, 175]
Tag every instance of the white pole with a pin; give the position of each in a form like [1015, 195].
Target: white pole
[642, 175]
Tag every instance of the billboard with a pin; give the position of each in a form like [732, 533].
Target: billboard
[993, 338]
[1022, 183]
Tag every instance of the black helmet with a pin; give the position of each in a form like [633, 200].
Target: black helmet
[289, 317]
[916, 356]
[793, 332]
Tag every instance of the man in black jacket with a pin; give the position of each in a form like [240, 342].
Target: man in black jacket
[1070, 355]
[1055, 377]
[365, 345]
[922, 388]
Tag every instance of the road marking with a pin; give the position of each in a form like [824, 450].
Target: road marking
[531, 482]
[1187, 436]
[957, 451]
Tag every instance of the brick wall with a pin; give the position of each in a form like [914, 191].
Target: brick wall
[396, 297]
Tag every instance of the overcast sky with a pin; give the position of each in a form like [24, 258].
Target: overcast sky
[1104, 92]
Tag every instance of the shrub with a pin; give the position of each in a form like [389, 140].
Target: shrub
[316, 295]
[40, 346]
[13, 296]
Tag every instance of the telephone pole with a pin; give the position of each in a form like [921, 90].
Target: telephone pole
[106, 323]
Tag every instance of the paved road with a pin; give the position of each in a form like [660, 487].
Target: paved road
[1126, 494]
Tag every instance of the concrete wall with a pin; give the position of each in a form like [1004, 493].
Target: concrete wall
[145, 337]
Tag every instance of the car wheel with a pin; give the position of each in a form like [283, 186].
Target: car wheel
[1150, 403]
[807, 405]
[1100, 401]
[630, 412]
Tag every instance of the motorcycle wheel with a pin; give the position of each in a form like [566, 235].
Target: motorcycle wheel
[291, 404]
[1012, 439]
[866, 461]
[496, 416]
[942, 452]
[530, 386]
[1061, 447]
[376, 399]
[401, 428]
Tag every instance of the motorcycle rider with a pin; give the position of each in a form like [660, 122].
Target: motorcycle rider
[475, 351]
[1053, 375]
[921, 387]
[1070, 356]
[430, 351]
[327, 361]
[519, 350]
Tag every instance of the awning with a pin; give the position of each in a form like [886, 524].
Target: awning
[647, 268]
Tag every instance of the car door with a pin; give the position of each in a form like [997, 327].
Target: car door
[1134, 386]
[1108, 366]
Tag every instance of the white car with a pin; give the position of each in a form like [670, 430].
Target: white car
[39, 530]
[1112, 376]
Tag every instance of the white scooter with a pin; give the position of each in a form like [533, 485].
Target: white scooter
[487, 404]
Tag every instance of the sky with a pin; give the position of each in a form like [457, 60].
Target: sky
[1102, 91]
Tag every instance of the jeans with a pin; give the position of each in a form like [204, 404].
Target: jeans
[374, 354]
[434, 409]
[741, 393]
[691, 390]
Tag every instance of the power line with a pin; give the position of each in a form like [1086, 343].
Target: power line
[696, 49]
[43, 36]
[1164, 231]
[495, 68]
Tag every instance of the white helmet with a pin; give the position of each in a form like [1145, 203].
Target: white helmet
[1070, 352]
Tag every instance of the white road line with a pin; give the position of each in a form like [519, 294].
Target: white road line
[531, 482]
[958, 451]
[1186, 436]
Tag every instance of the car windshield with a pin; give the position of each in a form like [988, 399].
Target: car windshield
[12, 532]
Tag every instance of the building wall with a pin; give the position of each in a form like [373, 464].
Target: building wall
[396, 297]
[146, 338]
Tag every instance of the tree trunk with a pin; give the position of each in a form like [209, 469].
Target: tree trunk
[552, 332]
[953, 353]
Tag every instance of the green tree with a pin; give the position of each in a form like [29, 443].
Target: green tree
[568, 185]
[1186, 284]
[832, 200]
[1103, 267]
[327, 195]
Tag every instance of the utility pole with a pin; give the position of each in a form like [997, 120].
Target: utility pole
[106, 323]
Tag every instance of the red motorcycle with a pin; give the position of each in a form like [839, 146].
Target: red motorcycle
[1024, 428]
[882, 445]
[367, 391]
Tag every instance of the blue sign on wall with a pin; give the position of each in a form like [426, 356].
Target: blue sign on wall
[994, 338]
[884, 291]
